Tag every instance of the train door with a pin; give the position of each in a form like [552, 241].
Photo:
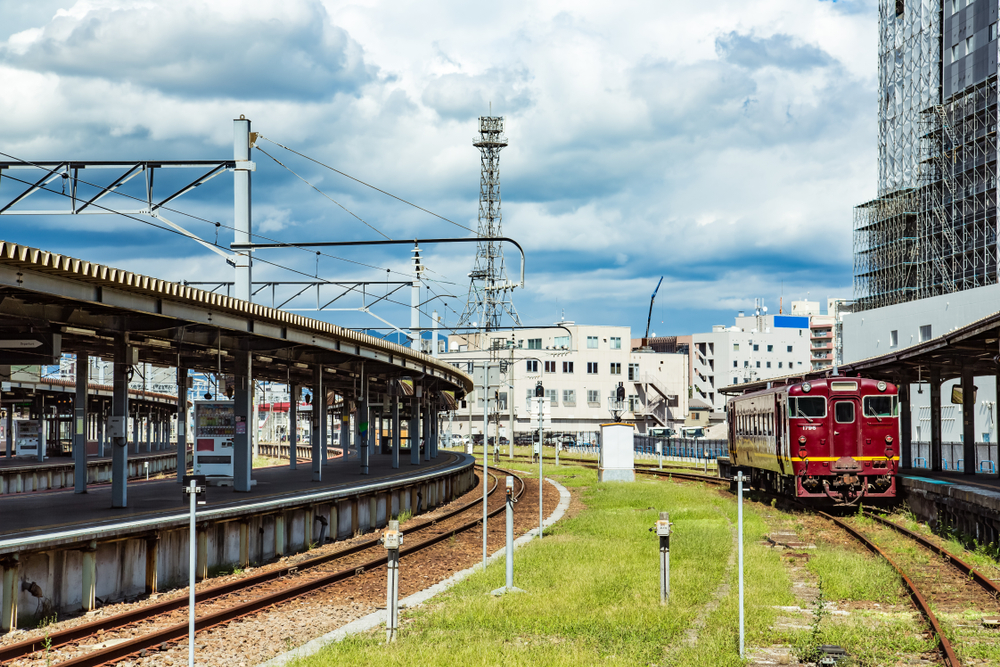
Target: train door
[846, 411]
[780, 432]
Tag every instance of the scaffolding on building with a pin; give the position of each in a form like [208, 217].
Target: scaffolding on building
[957, 227]
[885, 250]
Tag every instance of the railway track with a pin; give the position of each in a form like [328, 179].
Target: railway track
[287, 591]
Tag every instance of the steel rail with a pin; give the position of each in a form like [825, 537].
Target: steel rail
[178, 630]
[949, 654]
[70, 635]
[960, 564]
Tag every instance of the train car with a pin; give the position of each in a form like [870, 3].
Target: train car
[830, 439]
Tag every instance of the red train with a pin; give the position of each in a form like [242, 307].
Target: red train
[831, 439]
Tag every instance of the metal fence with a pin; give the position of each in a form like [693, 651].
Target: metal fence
[953, 456]
[693, 448]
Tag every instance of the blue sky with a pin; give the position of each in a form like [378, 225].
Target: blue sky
[722, 145]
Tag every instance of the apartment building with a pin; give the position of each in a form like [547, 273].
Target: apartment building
[579, 366]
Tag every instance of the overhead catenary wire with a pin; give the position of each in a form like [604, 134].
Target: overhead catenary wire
[368, 185]
[348, 211]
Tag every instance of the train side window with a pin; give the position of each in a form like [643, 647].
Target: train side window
[806, 407]
[843, 412]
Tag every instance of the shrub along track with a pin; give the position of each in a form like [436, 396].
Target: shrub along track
[230, 601]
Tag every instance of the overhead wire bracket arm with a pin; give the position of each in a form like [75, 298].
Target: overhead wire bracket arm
[327, 244]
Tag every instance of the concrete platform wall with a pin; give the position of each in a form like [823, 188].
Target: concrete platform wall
[971, 510]
[133, 565]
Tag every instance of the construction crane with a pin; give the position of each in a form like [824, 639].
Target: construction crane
[652, 299]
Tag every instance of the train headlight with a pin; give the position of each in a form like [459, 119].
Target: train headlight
[806, 387]
[881, 385]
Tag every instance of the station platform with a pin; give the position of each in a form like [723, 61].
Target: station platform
[49, 516]
[951, 500]
[76, 548]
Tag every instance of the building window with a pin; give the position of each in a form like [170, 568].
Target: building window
[970, 44]
[736, 347]
[616, 368]
[594, 398]
[780, 363]
[770, 348]
[633, 372]
[561, 342]
[591, 368]
[925, 333]
[616, 343]
[534, 343]
[993, 31]
[756, 348]
[569, 398]
[567, 367]
[520, 343]
[734, 363]
[633, 402]
[532, 366]
[591, 342]
[789, 348]
[769, 364]
[530, 397]
[553, 396]
[736, 380]
[758, 364]
[894, 338]
[550, 367]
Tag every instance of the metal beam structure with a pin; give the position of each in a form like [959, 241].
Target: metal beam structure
[490, 292]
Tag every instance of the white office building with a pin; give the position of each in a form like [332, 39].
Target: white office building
[756, 347]
[580, 367]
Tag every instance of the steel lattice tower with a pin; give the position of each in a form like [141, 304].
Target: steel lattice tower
[490, 292]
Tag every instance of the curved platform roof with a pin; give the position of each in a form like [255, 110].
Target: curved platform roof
[88, 304]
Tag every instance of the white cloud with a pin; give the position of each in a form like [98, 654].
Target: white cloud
[721, 144]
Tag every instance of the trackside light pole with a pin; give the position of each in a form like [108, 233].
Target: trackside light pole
[739, 539]
[540, 397]
[486, 431]
[196, 494]
[509, 586]
[392, 540]
[662, 529]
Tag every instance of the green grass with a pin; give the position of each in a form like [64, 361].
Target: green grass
[593, 592]
[850, 576]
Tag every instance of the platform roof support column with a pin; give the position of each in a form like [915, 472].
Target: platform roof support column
[968, 422]
[427, 412]
[996, 416]
[935, 387]
[40, 411]
[10, 431]
[102, 420]
[182, 393]
[365, 426]
[905, 425]
[149, 430]
[80, 424]
[395, 430]
[293, 425]
[324, 424]
[345, 423]
[435, 430]
[136, 431]
[314, 432]
[119, 416]
[242, 411]
[414, 429]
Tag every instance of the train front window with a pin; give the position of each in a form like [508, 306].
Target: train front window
[843, 412]
[806, 407]
[881, 406]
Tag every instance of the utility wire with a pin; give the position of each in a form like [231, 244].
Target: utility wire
[215, 223]
[368, 185]
[323, 193]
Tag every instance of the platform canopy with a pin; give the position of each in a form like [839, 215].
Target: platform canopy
[52, 303]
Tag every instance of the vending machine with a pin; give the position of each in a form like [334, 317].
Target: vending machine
[214, 428]
[26, 437]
